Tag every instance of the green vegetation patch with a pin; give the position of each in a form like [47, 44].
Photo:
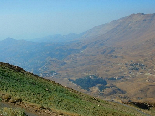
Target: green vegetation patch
[11, 112]
[17, 85]
[90, 81]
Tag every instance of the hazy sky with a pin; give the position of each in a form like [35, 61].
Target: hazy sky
[28, 19]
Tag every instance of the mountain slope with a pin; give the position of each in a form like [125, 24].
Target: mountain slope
[58, 38]
[123, 36]
[122, 52]
[119, 53]
[135, 23]
[47, 97]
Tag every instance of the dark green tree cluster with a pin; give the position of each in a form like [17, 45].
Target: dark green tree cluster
[90, 81]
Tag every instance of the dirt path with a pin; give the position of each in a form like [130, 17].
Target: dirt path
[2, 105]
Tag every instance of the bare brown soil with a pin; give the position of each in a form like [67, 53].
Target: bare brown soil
[122, 52]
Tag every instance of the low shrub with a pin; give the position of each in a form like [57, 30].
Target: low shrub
[11, 112]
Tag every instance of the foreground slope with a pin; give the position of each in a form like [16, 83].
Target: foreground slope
[30, 91]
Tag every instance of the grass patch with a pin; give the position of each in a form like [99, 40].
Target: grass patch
[17, 85]
[11, 112]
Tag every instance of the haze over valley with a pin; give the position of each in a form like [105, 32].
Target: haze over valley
[120, 53]
[78, 60]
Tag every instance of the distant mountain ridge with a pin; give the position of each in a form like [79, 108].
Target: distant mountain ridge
[33, 56]
[135, 24]
[58, 38]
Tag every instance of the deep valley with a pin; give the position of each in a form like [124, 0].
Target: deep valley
[113, 61]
